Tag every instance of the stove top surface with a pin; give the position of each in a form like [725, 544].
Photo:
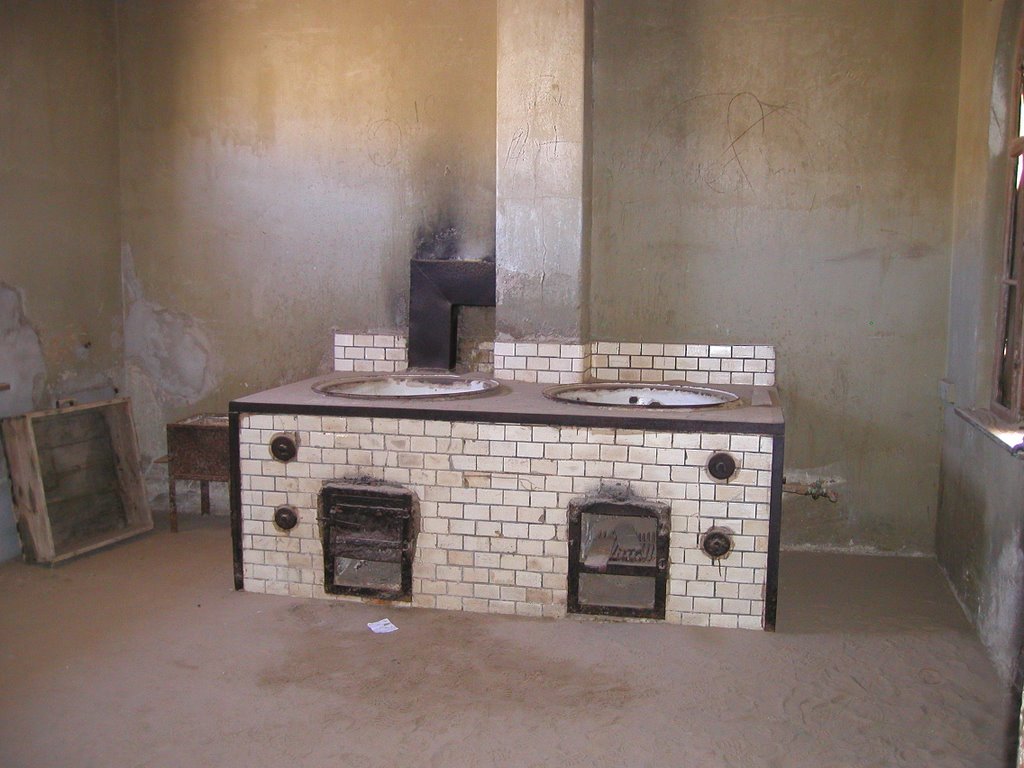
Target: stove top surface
[757, 409]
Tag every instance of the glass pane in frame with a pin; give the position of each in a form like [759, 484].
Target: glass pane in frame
[367, 574]
[599, 590]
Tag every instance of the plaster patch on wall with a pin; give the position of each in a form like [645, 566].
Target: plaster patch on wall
[84, 387]
[169, 364]
[171, 348]
[21, 356]
[23, 366]
[147, 405]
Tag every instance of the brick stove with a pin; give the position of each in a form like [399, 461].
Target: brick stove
[495, 480]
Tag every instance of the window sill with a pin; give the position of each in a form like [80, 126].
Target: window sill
[1010, 436]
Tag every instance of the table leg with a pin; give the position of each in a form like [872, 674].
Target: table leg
[172, 503]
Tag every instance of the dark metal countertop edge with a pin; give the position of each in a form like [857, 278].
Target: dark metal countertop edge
[597, 420]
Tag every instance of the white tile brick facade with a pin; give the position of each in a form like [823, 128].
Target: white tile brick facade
[371, 353]
[558, 363]
[388, 353]
[695, 363]
[542, 362]
[493, 504]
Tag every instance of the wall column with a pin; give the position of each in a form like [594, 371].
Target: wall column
[543, 169]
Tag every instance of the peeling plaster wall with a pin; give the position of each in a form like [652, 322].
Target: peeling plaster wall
[58, 193]
[980, 539]
[169, 360]
[781, 171]
[280, 164]
[23, 369]
[60, 303]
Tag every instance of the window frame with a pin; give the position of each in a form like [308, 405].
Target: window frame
[1008, 385]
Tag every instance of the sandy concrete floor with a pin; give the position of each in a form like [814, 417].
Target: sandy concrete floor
[142, 655]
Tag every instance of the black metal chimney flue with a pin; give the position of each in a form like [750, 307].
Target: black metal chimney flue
[436, 288]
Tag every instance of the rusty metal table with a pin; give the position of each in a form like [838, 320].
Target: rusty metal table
[197, 449]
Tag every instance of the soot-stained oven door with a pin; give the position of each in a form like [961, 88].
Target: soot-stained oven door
[618, 557]
[368, 534]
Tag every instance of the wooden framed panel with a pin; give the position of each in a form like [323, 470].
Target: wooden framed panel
[76, 480]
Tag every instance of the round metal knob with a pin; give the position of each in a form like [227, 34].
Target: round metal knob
[284, 447]
[286, 518]
[721, 466]
[717, 542]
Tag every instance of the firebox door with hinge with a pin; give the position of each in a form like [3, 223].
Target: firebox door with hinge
[618, 557]
[369, 538]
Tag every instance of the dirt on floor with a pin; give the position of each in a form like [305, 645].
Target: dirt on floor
[144, 655]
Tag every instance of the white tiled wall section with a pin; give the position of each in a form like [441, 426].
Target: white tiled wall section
[379, 353]
[493, 501]
[556, 363]
[553, 363]
[696, 363]
[547, 363]
[386, 353]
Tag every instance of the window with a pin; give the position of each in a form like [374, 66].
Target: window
[1007, 390]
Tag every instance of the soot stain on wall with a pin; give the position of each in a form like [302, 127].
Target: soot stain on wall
[439, 240]
[444, 237]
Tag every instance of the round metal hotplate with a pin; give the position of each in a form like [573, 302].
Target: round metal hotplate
[627, 395]
[407, 385]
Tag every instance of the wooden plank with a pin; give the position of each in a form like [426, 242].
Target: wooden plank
[94, 454]
[36, 415]
[103, 540]
[87, 481]
[27, 489]
[127, 464]
[67, 429]
[84, 518]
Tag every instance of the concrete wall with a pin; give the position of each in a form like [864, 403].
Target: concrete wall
[281, 162]
[980, 533]
[543, 175]
[781, 171]
[60, 297]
